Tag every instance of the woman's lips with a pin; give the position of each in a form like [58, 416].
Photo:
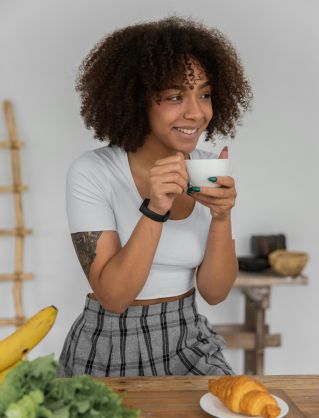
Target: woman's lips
[187, 133]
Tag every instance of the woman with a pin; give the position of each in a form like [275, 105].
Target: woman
[141, 235]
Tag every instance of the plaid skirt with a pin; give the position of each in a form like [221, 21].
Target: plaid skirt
[169, 338]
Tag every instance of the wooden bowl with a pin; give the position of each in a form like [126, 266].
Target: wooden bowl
[287, 263]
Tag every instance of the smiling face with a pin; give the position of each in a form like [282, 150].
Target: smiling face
[181, 113]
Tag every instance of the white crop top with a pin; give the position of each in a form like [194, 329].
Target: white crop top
[101, 195]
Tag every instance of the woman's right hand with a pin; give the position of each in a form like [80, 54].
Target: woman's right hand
[168, 179]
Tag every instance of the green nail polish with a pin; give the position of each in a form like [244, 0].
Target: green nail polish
[194, 189]
[213, 179]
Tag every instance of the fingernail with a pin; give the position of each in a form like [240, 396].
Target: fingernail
[193, 189]
[213, 179]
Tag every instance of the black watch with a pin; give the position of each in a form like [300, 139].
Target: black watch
[150, 214]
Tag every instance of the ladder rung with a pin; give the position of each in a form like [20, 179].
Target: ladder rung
[15, 276]
[16, 231]
[16, 188]
[11, 144]
[12, 321]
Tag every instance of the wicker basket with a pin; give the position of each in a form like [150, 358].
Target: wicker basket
[287, 263]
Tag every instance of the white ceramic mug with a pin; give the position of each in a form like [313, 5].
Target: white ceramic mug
[200, 170]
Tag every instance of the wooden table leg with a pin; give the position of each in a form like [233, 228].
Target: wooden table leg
[256, 303]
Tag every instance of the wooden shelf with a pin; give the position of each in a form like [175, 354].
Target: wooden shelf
[253, 336]
[247, 340]
[268, 278]
[237, 336]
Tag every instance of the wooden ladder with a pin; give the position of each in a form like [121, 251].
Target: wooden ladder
[19, 231]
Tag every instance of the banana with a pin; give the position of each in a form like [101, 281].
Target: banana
[4, 372]
[20, 342]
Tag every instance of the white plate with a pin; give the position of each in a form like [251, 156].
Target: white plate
[213, 406]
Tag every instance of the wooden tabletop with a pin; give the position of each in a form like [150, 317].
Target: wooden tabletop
[178, 396]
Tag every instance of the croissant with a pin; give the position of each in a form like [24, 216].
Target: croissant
[243, 394]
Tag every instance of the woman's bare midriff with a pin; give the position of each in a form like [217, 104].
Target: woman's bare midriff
[144, 302]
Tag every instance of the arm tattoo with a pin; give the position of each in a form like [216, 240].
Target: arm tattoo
[85, 247]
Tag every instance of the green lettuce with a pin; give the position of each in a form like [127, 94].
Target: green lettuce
[26, 377]
[32, 390]
[29, 407]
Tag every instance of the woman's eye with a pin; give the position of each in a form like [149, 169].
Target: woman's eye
[177, 98]
[207, 95]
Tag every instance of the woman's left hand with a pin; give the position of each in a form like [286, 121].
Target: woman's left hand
[219, 200]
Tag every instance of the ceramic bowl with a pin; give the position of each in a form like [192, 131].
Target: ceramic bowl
[288, 263]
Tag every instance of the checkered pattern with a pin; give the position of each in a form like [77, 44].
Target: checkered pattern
[170, 338]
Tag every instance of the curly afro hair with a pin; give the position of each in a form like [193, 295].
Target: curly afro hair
[131, 66]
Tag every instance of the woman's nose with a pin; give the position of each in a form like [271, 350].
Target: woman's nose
[193, 110]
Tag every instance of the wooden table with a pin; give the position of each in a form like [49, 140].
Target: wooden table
[178, 396]
[253, 336]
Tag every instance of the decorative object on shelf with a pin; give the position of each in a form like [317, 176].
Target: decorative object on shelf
[263, 245]
[18, 276]
[252, 264]
[288, 263]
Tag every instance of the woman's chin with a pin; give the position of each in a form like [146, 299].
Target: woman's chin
[187, 148]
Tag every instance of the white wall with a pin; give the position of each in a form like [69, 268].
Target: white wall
[275, 151]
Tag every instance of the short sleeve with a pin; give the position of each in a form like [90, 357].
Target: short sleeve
[88, 197]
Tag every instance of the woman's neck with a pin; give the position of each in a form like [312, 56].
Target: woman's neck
[146, 155]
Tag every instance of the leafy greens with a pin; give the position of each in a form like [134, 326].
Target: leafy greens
[32, 390]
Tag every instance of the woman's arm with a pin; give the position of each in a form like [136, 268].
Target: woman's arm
[117, 274]
[218, 270]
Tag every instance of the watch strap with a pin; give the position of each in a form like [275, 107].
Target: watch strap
[153, 215]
